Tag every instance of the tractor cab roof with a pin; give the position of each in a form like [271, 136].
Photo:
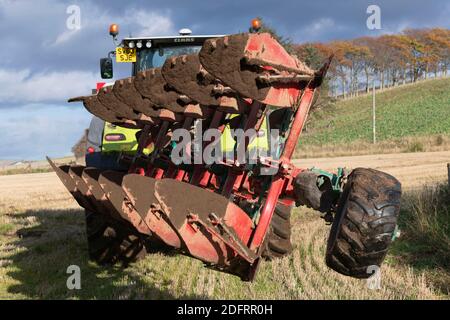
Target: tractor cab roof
[149, 42]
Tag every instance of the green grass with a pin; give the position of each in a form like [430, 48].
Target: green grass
[34, 266]
[425, 240]
[6, 228]
[417, 110]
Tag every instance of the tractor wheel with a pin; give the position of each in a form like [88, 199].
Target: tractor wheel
[278, 239]
[364, 224]
[110, 242]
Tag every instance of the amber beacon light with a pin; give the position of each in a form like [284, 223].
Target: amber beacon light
[256, 24]
[114, 30]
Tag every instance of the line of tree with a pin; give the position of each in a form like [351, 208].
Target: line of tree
[389, 60]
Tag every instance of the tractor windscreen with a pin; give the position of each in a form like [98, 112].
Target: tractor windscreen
[155, 57]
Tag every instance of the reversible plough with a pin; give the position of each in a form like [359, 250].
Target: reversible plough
[219, 213]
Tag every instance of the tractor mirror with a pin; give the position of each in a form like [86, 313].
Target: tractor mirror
[106, 68]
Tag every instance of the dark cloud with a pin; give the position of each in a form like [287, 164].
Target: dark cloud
[294, 18]
[37, 37]
[44, 63]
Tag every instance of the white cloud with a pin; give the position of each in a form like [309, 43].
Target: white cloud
[138, 22]
[65, 36]
[321, 25]
[36, 130]
[317, 28]
[51, 38]
[150, 23]
[396, 27]
[21, 86]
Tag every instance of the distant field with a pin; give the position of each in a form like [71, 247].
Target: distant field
[41, 166]
[409, 118]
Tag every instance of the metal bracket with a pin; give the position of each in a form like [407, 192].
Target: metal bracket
[271, 79]
[218, 228]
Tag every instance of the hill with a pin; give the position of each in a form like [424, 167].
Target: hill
[413, 117]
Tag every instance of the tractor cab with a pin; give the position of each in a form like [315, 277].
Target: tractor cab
[106, 141]
[151, 52]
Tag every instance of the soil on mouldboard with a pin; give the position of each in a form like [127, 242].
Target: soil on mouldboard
[107, 97]
[225, 63]
[151, 84]
[126, 92]
[183, 73]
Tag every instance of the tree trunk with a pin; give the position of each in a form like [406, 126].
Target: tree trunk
[343, 88]
[351, 84]
[367, 79]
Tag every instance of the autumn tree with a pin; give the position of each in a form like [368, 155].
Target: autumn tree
[439, 42]
[315, 55]
[387, 60]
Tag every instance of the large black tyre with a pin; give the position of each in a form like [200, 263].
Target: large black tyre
[110, 242]
[277, 243]
[364, 224]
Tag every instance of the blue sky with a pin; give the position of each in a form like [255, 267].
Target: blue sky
[43, 63]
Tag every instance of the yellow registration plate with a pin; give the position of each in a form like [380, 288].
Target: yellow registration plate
[125, 55]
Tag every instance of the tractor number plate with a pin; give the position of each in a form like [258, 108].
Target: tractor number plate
[124, 55]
